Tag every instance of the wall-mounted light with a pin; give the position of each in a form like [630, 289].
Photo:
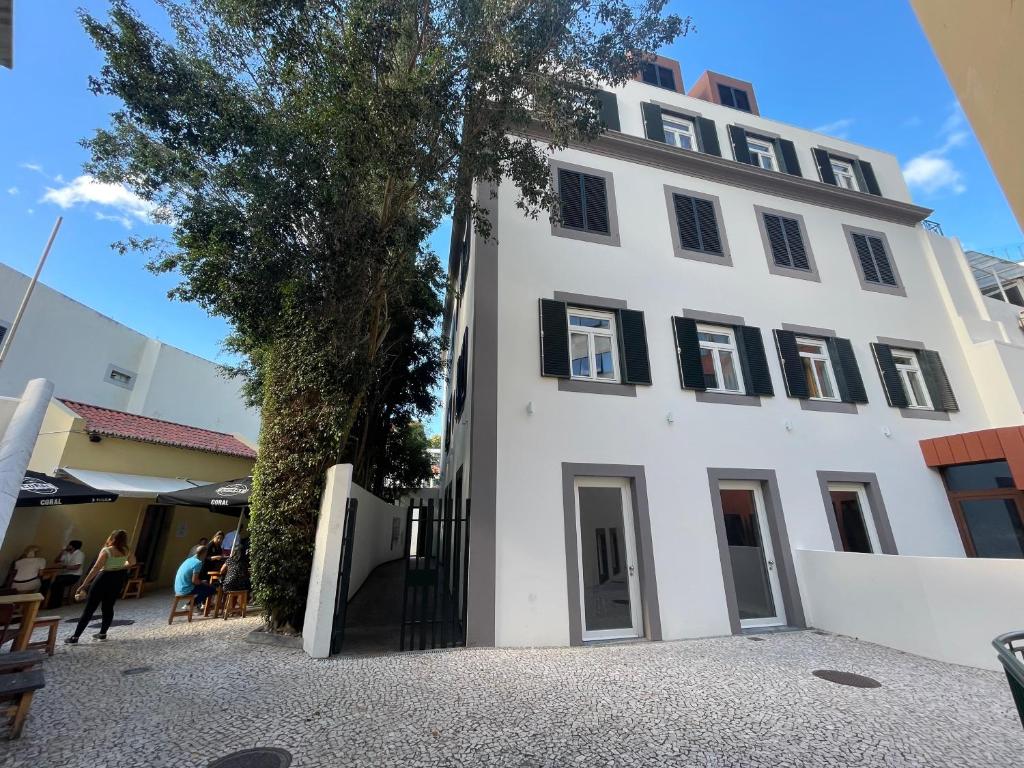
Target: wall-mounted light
[886, 431]
[788, 425]
[530, 410]
[669, 418]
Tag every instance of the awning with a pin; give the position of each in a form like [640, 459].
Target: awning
[130, 486]
[227, 496]
[39, 490]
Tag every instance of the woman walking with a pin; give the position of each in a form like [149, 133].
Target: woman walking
[105, 583]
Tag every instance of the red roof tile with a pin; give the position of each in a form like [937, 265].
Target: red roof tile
[104, 421]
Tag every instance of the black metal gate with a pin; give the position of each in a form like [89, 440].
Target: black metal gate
[344, 571]
[436, 569]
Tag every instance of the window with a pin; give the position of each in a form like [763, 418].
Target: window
[120, 377]
[3, 333]
[592, 349]
[679, 132]
[654, 74]
[762, 153]
[913, 381]
[874, 261]
[786, 242]
[719, 359]
[697, 224]
[817, 369]
[584, 201]
[733, 97]
[845, 176]
[852, 513]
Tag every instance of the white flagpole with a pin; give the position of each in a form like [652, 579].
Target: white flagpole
[9, 338]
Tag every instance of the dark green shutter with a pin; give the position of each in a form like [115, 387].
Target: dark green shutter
[795, 243]
[686, 222]
[653, 125]
[844, 363]
[461, 375]
[710, 241]
[891, 381]
[790, 164]
[609, 110]
[707, 136]
[595, 198]
[867, 264]
[554, 339]
[824, 163]
[636, 367]
[740, 150]
[570, 196]
[756, 375]
[691, 371]
[792, 365]
[935, 377]
[870, 181]
[881, 257]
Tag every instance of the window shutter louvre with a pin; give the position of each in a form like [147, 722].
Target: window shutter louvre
[824, 163]
[686, 222]
[754, 361]
[792, 366]
[870, 181]
[636, 367]
[867, 264]
[881, 259]
[776, 239]
[709, 239]
[707, 136]
[844, 362]
[891, 381]
[789, 160]
[935, 377]
[740, 150]
[570, 195]
[795, 243]
[609, 110]
[653, 125]
[595, 203]
[554, 339]
[691, 371]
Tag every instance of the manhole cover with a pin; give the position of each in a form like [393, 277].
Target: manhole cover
[846, 678]
[136, 670]
[756, 639]
[819, 632]
[261, 757]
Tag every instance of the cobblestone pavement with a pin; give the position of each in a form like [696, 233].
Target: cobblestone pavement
[717, 702]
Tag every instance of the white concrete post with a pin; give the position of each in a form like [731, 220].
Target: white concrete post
[323, 581]
[17, 443]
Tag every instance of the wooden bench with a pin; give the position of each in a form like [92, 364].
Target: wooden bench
[16, 692]
[50, 623]
[18, 661]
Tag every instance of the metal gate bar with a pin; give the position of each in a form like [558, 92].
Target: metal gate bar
[344, 572]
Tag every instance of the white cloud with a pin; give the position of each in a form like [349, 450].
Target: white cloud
[838, 128]
[30, 211]
[932, 171]
[12, 190]
[35, 167]
[83, 190]
[124, 221]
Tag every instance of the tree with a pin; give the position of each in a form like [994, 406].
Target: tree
[435, 441]
[301, 150]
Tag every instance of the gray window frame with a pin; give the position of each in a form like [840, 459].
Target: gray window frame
[725, 259]
[612, 238]
[603, 304]
[730, 322]
[777, 269]
[124, 372]
[849, 230]
[925, 414]
[879, 515]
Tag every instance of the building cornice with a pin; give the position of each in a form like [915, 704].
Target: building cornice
[635, 149]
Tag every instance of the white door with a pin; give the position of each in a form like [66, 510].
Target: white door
[856, 524]
[754, 568]
[607, 565]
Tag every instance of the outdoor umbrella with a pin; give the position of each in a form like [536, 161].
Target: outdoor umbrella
[39, 490]
[228, 497]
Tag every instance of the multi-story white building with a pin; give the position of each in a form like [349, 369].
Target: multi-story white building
[730, 349]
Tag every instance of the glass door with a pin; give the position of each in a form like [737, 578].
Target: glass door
[994, 525]
[606, 548]
[754, 572]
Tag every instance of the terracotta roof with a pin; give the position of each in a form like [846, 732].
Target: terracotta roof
[104, 421]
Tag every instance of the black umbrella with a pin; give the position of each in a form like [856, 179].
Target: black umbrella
[39, 490]
[229, 496]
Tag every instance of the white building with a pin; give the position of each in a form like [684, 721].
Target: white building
[731, 350]
[94, 359]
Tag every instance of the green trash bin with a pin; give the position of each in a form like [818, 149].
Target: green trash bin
[1011, 655]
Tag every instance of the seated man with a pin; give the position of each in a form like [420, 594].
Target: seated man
[71, 559]
[189, 581]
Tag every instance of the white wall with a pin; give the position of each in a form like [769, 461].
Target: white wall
[73, 346]
[948, 609]
[373, 539]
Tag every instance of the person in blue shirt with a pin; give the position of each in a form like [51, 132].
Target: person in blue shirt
[189, 579]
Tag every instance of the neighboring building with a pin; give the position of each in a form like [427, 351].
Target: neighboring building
[93, 359]
[138, 458]
[7, 33]
[731, 349]
[998, 278]
[978, 45]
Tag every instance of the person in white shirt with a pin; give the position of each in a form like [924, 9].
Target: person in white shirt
[26, 570]
[71, 559]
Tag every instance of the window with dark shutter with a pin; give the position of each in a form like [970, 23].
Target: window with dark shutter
[786, 242]
[790, 163]
[636, 366]
[756, 375]
[892, 384]
[792, 365]
[868, 173]
[844, 363]
[874, 260]
[691, 371]
[584, 201]
[707, 137]
[935, 377]
[824, 163]
[609, 109]
[705, 354]
[740, 148]
[654, 126]
[462, 376]
[697, 224]
[554, 339]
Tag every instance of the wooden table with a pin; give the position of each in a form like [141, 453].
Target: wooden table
[29, 602]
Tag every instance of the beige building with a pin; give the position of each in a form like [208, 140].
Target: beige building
[979, 47]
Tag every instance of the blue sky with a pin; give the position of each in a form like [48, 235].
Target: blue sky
[863, 71]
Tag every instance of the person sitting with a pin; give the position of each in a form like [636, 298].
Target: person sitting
[71, 559]
[26, 570]
[215, 553]
[234, 575]
[189, 579]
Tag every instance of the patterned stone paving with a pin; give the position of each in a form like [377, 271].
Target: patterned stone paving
[717, 702]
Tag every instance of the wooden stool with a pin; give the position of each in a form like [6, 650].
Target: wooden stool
[214, 602]
[236, 603]
[132, 588]
[52, 624]
[189, 601]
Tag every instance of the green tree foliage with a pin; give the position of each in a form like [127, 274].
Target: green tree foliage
[301, 151]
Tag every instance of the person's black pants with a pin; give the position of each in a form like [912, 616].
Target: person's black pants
[58, 587]
[103, 592]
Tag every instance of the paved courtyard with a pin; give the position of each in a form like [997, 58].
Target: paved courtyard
[717, 702]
